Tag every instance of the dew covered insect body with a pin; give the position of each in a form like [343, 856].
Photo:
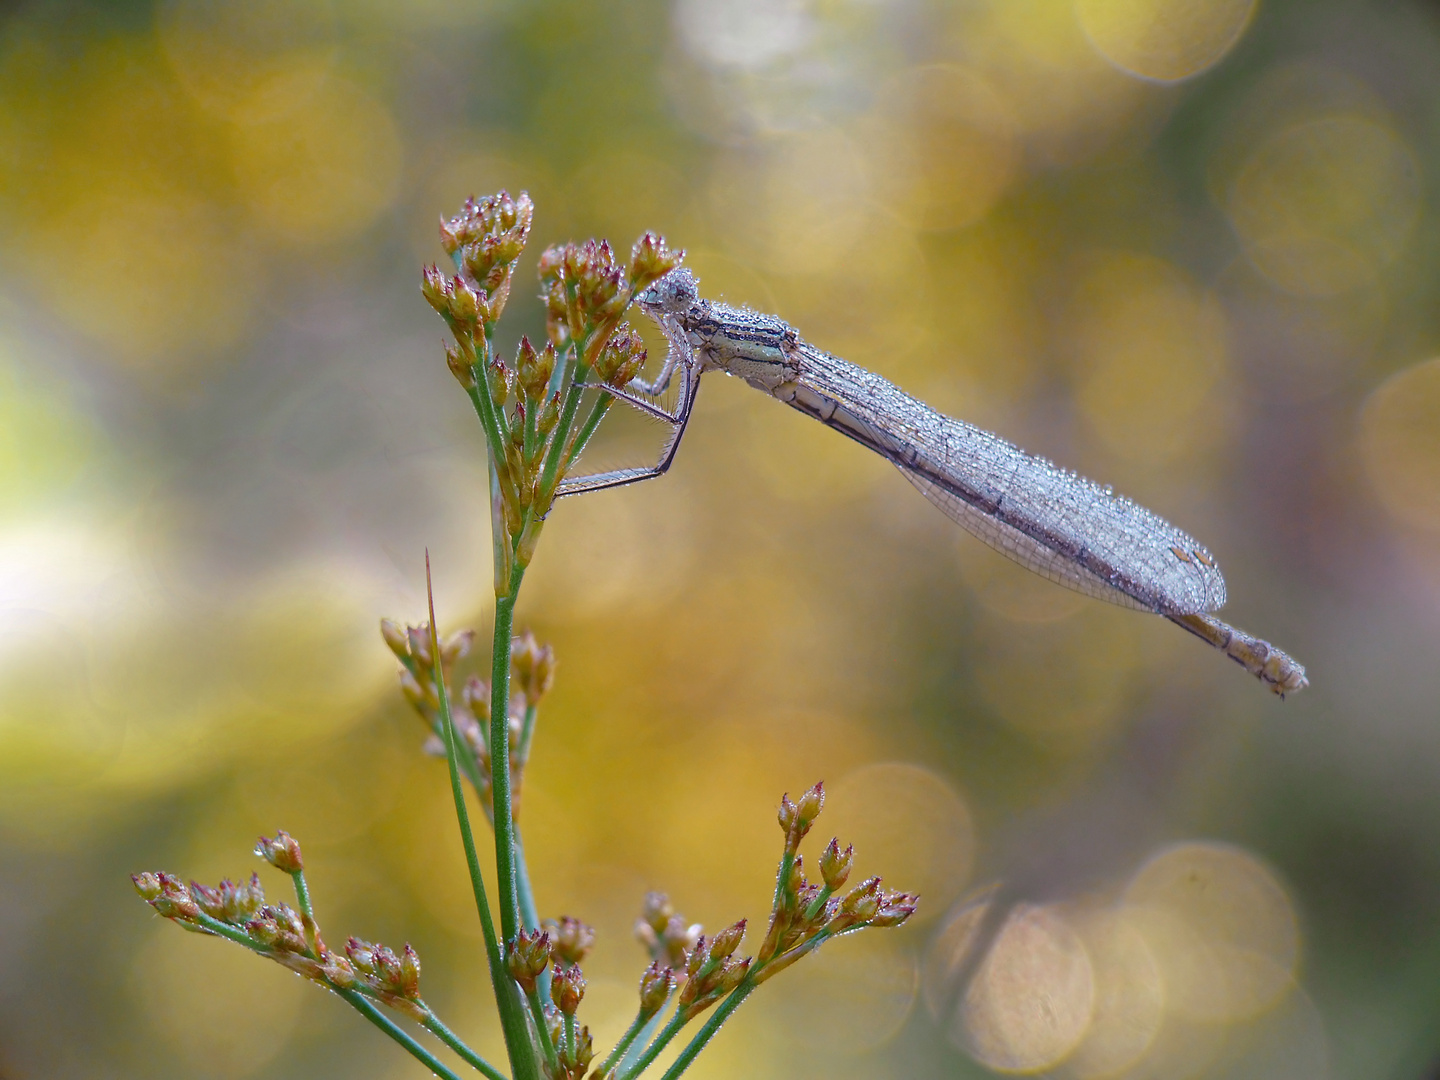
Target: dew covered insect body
[1050, 520]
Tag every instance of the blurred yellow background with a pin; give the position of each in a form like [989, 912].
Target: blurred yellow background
[1187, 247]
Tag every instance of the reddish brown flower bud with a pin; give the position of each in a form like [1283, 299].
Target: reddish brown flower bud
[389, 973]
[466, 307]
[460, 367]
[727, 941]
[410, 973]
[656, 910]
[797, 817]
[148, 885]
[621, 359]
[535, 369]
[435, 287]
[549, 415]
[527, 956]
[835, 865]
[567, 988]
[501, 380]
[895, 908]
[362, 954]
[731, 976]
[448, 238]
[475, 695]
[552, 261]
[862, 903]
[656, 985]
[283, 852]
[650, 260]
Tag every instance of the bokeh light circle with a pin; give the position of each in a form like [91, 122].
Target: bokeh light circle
[948, 144]
[1400, 444]
[1221, 927]
[1032, 997]
[1129, 996]
[316, 160]
[1164, 40]
[1323, 205]
[1149, 345]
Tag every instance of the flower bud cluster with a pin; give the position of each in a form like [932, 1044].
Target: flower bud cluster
[529, 407]
[280, 933]
[411, 646]
[393, 979]
[486, 239]
[664, 933]
[574, 1056]
[805, 914]
[469, 709]
[711, 971]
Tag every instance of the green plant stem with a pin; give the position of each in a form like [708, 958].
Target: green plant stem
[542, 1029]
[631, 1032]
[587, 429]
[302, 895]
[450, 1039]
[637, 1046]
[569, 1023]
[661, 1041]
[512, 1020]
[550, 475]
[230, 933]
[818, 903]
[708, 1030]
[504, 819]
[527, 733]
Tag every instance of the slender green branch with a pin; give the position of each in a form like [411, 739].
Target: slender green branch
[587, 430]
[493, 421]
[550, 475]
[450, 1039]
[302, 895]
[230, 933]
[503, 816]
[782, 875]
[637, 1045]
[537, 1014]
[512, 1021]
[668, 1032]
[818, 903]
[569, 1023]
[389, 1027]
[636, 1026]
[527, 733]
[708, 1029]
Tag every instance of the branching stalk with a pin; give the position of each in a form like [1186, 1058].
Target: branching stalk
[512, 1021]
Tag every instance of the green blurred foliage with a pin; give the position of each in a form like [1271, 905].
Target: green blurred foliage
[1188, 249]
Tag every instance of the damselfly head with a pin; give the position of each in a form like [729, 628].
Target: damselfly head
[676, 292]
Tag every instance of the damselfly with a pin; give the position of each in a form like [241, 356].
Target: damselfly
[1050, 520]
